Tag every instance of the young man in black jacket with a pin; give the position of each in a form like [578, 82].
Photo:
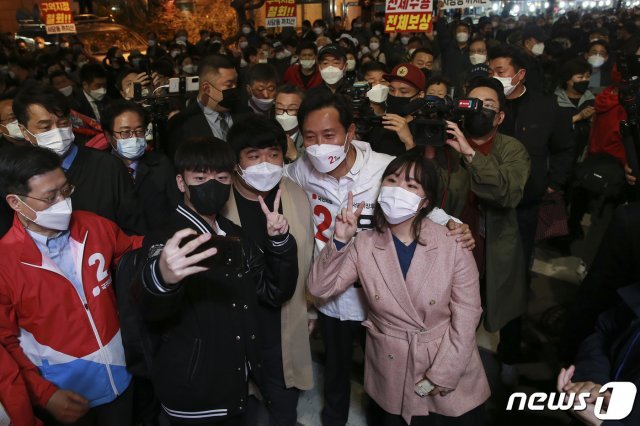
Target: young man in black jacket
[204, 319]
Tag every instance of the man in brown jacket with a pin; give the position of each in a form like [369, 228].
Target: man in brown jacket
[260, 145]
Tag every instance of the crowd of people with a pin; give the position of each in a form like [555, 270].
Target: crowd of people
[166, 256]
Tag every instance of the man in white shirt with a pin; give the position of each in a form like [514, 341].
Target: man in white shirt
[333, 165]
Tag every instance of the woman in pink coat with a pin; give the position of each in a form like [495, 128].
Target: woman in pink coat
[424, 303]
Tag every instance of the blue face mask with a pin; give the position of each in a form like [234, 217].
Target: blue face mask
[131, 148]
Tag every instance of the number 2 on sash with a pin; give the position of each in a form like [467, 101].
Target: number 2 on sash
[320, 210]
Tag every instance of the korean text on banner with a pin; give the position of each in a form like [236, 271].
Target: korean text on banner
[461, 4]
[408, 15]
[57, 17]
[281, 13]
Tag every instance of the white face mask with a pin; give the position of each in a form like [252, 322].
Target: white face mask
[326, 157]
[14, 130]
[67, 90]
[98, 94]
[462, 37]
[378, 93]
[477, 58]
[56, 217]
[243, 44]
[57, 140]
[243, 63]
[404, 40]
[596, 61]
[537, 49]
[318, 30]
[398, 204]
[190, 68]
[288, 122]
[262, 177]
[331, 74]
[263, 61]
[246, 30]
[131, 148]
[374, 46]
[506, 83]
[351, 64]
[307, 63]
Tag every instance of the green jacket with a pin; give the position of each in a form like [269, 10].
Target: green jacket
[498, 180]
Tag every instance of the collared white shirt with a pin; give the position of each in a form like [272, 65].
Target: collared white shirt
[328, 196]
[94, 105]
[213, 120]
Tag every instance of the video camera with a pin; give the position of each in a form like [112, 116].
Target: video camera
[628, 96]
[159, 105]
[428, 126]
[363, 115]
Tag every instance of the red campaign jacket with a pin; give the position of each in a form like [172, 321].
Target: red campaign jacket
[13, 392]
[605, 137]
[292, 76]
[58, 339]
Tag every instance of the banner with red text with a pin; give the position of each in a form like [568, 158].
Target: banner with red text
[408, 16]
[281, 13]
[57, 17]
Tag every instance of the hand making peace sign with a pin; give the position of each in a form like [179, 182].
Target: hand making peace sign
[276, 223]
[347, 221]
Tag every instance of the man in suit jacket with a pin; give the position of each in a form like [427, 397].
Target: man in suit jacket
[211, 112]
[101, 182]
[91, 100]
[152, 173]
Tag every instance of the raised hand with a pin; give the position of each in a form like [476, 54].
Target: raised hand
[176, 263]
[276, 223]
[347, 221]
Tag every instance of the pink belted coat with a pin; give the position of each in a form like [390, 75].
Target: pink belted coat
[424, 327]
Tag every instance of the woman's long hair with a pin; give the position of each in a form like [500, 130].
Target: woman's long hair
[425, 174]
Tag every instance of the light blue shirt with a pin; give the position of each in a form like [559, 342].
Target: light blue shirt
[59, 251]
[67, 161]
[213, 120]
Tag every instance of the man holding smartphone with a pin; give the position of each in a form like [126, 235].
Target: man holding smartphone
[203, 320]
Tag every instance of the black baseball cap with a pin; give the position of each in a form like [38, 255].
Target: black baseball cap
[334, 50]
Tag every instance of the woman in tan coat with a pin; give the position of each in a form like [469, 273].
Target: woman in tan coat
[424, 303]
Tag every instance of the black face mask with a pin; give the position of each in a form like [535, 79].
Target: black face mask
[397, 104]
[581, 87]
[208, 198]
[229, 97]
[479, 124]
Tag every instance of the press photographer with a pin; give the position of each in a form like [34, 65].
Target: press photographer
[406, 83]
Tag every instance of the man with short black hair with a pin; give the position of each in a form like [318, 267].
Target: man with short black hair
[332, 64]
[59, 318]
[102, 183]
[63, 82]
[261, 87]
[334, 165]
[533, 39]
[305, 73]
[210, 311]
[93, 97]
[534, 119]
[124, 124]
[211, 112]
[260, 144]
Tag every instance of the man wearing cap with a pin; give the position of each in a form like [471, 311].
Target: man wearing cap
[533, 38]
[332, 63]
[406, 83]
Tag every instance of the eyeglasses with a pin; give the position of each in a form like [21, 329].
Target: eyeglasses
[289, 110]
[126, 134]
[65, 192]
